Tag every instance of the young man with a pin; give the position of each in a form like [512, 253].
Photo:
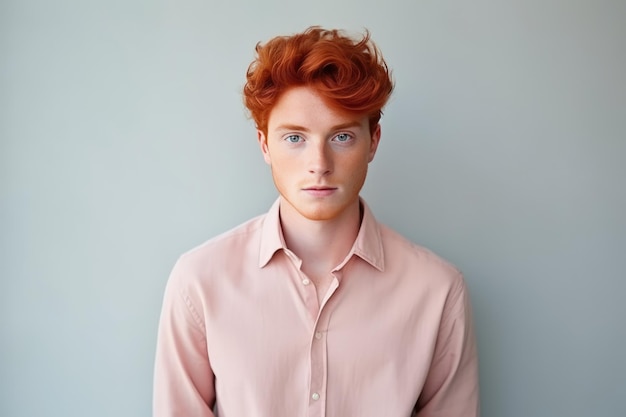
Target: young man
[315, 309]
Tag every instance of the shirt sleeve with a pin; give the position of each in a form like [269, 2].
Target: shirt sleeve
[451, 388]
[183, 378]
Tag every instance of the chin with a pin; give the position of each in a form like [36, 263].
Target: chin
[322, 213]
[319, 216]
[321, 210]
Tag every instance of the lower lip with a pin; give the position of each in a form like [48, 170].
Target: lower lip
[324, 192]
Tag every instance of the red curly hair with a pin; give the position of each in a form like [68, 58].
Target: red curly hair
[350, 74]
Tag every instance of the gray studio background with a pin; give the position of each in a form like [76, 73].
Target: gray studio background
[124, 143]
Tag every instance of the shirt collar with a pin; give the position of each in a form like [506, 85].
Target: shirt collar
[271, 235]
[368, 244]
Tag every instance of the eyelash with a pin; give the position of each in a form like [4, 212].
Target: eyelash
[347, 135]
[293, 136]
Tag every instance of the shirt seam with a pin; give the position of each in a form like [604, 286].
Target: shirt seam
[194, 313]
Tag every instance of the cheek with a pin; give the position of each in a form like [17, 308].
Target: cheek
[357, 164]
[282, 163]
[356, 171]
[283, 169]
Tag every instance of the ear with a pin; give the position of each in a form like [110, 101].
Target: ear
[374, 143]
[262, 139]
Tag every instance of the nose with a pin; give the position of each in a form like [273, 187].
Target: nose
[320, 158]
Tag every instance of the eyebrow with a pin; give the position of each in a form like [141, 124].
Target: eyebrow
[304, 129]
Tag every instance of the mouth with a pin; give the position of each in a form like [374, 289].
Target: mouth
[320, 191]
[319, 188]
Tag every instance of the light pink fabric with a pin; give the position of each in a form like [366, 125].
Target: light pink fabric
[241, 330]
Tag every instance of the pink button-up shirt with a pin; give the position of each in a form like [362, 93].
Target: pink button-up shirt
[242, 332]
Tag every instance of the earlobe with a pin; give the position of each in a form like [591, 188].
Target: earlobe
[262, 139]
[374, 142]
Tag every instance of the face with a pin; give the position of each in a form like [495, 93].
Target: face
[318, 156]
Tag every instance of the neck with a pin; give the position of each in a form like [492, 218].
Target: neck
[320, 244]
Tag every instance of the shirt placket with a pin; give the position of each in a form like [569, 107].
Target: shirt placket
[320, 317]
[319, 357]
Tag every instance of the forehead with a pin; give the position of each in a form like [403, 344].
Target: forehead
[303, 106]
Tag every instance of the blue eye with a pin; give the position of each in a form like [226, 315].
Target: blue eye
[293, 138]
[343, 137]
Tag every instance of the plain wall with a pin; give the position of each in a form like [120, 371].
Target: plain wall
[124, 143]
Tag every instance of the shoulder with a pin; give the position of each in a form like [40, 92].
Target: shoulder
[407, 258]
[240, 244]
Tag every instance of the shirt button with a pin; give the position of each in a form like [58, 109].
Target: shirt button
[318, 335]
[306, 281]
[315, 396]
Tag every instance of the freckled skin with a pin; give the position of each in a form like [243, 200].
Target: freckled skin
[318, 156]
